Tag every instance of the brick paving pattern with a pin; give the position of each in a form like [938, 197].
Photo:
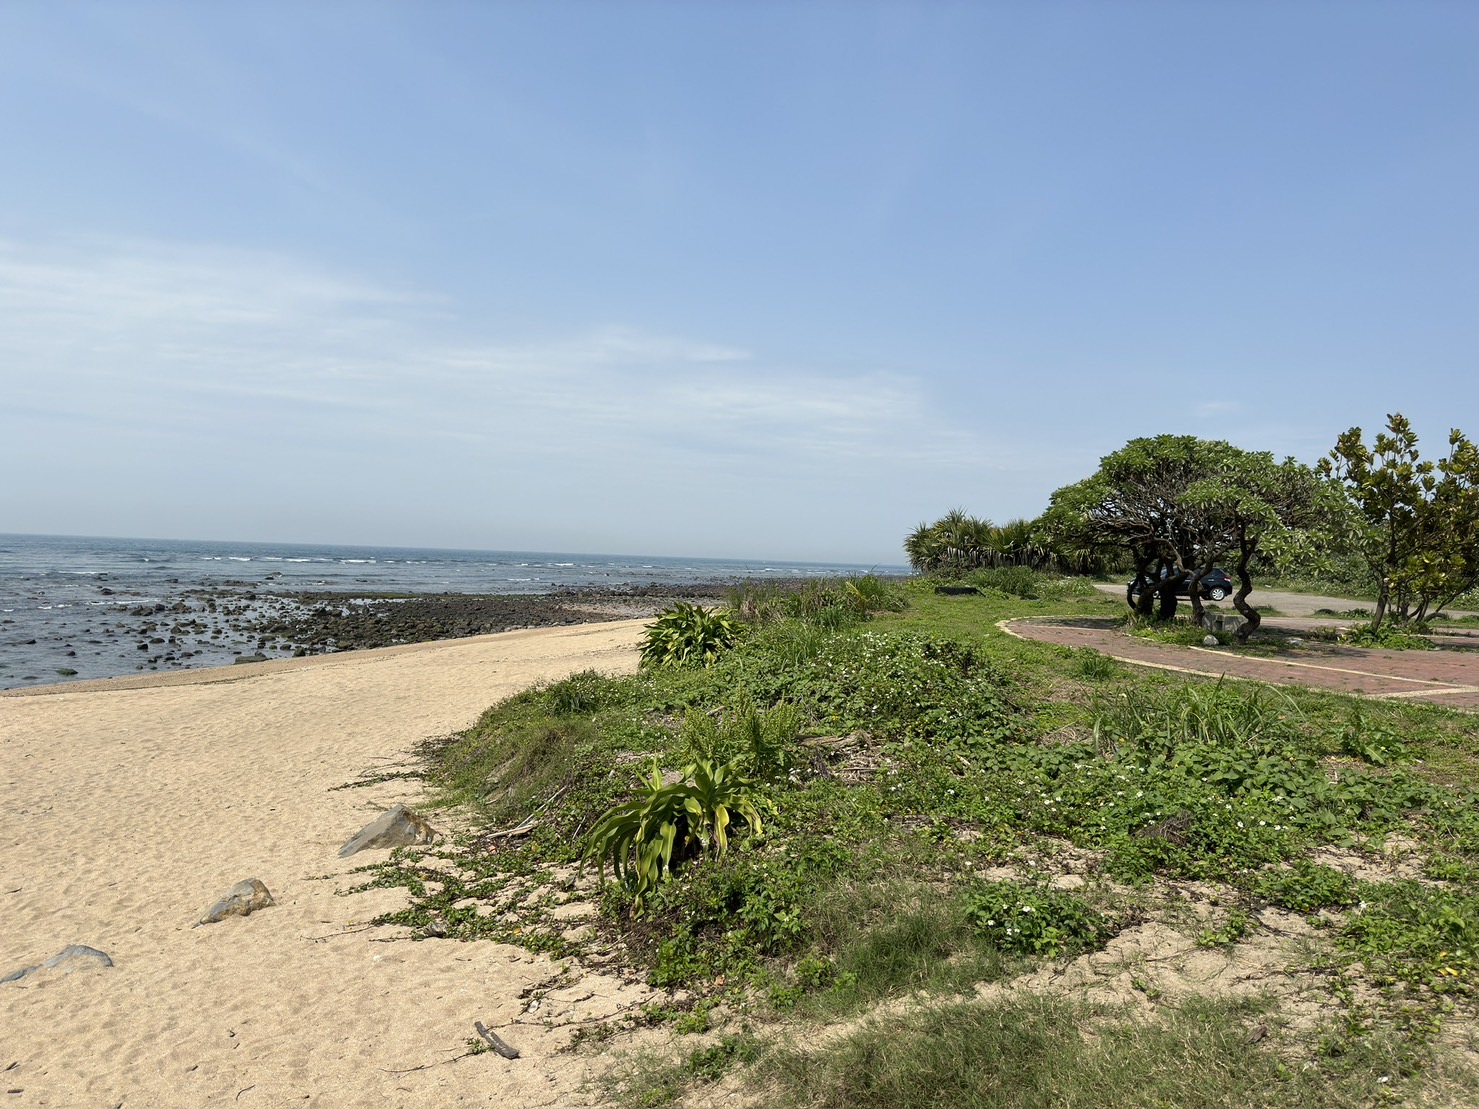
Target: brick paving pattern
[1443, 677]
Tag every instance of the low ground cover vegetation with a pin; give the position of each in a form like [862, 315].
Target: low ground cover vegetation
[830, 838]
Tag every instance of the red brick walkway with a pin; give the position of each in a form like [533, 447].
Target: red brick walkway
[1448, 678]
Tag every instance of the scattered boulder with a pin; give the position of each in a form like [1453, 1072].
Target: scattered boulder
[396, 827]
[242, 899]
[66, 961]
[1210, 641]
[258, 657]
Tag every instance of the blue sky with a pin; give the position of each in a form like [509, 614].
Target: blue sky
[734, 279]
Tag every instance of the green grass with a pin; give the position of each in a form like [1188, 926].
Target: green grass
[928, 746]
[1442, 620]
[892, 939]
[1034, 1051]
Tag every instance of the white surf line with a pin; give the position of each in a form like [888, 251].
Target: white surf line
[1003, 625]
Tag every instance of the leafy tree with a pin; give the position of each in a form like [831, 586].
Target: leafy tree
[1268, 513]
[1134, 502]
[1414, 522]
[1179, 505]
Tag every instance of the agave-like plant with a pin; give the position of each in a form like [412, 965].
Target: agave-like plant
[688, 635]
[649, 836]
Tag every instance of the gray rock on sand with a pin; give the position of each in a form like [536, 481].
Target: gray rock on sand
[242, 899]
[396, 827]
[67, 960]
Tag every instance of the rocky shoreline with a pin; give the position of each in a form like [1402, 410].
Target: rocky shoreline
[241, 621]
[314, 623]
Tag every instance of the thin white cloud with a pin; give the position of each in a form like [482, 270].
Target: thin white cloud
[128, 353]
[143, 333]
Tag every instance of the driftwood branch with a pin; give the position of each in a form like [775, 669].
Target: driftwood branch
[494, 1042]
[530, 822]
[428, 1066]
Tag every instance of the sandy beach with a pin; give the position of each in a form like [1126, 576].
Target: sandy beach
[132, 804]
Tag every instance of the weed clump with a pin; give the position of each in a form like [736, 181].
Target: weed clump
[1034, 920]
[1306, 886]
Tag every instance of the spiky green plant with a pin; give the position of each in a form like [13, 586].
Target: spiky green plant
[688, 635]
[647, 837]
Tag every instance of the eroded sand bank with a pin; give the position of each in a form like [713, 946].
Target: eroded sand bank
[130, 806]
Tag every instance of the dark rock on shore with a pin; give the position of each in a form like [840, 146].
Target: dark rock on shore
[339, 622]
[241, 620]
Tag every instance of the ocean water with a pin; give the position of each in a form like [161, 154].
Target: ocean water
[70, 603]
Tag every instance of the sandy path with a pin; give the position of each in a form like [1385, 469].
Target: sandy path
[128, 810]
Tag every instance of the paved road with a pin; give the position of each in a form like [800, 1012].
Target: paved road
[1448, 678]
[1290, 604]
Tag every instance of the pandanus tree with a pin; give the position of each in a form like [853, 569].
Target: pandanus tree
[953, 544]
[957, 543]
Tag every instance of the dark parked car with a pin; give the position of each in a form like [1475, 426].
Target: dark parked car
[1216, 584]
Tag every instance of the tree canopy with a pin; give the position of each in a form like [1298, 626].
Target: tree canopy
[1414, 522]
[1178, 505]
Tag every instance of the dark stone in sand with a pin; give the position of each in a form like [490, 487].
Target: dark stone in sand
[242, 899]
[67, 960]
[396, 827]
[258, 657]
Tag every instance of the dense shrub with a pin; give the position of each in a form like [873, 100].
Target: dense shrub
[688, 635]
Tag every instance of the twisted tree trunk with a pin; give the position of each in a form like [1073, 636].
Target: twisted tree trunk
[1251, 618]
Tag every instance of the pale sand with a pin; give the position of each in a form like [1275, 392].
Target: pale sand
[130, 806]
